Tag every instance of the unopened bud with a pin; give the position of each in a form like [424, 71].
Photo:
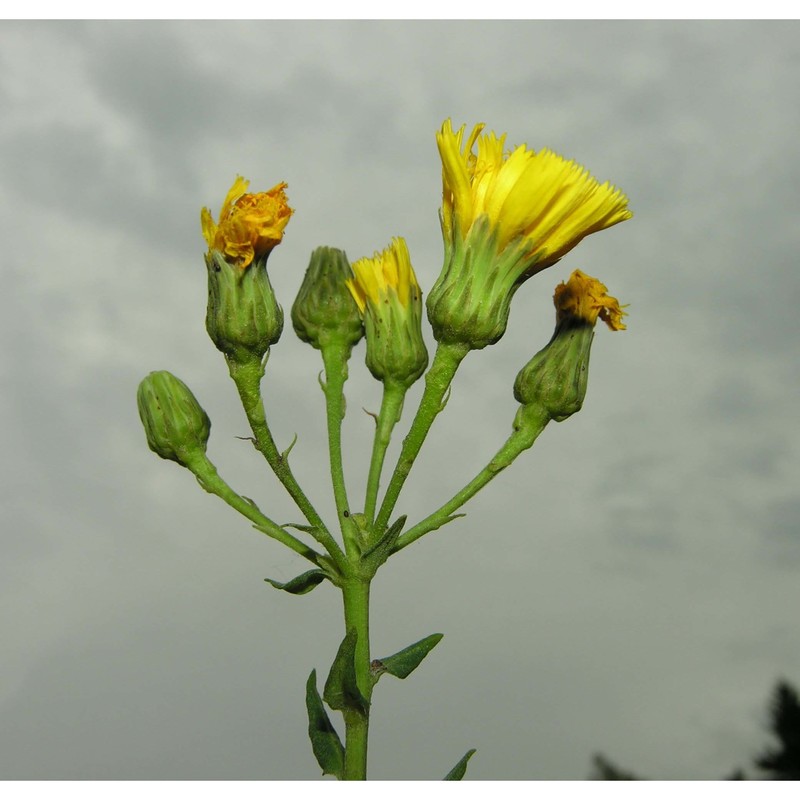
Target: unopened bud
[324, 310]
[176, 426]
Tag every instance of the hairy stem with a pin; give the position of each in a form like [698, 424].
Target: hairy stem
[210, 480]
[356, 616]
[247, 377]
[437, 381]
[521, 439]
[391, 407]
[334, 357]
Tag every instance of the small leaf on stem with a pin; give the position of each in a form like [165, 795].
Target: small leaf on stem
[325, 741]
[403, 663]
[341, 690]
[460, 769]
[302, 584]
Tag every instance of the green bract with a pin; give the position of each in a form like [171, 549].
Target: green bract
[243, 317]
[556, 377]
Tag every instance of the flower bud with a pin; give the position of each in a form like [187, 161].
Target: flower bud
[243, 317]
[325, 310]
[556, 378]
[390, 300]
[176, 426]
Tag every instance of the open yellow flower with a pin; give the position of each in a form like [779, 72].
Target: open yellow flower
[388, 296]
[541, 198]
[505, 217]
[250, 225]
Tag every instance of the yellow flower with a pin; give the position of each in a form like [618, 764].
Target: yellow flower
[505, 217]
[542, 199]
[250, 225]
[388, 296]
[584, 297]
[385, 274]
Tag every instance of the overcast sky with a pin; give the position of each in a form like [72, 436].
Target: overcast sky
[629, 586]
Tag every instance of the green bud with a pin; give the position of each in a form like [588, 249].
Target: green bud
[176, 426]
[324, 310]
[243, 317]
[555, 379]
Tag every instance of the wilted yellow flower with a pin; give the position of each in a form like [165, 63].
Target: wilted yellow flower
[388, 296]
[505, 217]
[585, 297]
[250, 225]
[555, 379]
[541, 198]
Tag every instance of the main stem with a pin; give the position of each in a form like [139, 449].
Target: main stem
[437, 381]
[356, 616]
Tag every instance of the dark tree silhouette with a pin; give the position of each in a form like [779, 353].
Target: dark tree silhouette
[782, 763]
[605, 770]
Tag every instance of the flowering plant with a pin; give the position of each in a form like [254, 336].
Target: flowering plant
[504, 218]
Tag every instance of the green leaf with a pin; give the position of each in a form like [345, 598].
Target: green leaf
[341, 690]
[297, 526]
[302, 584]
[386, 542]
[402, 664]
[325, 741]
[460, 769]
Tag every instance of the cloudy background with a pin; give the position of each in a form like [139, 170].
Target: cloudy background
[630, 586]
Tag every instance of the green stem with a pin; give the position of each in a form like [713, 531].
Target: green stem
[391, 408]
[335, 357]
[247, 377]
[210, 480]
[356, 615]
[524, 435]
[437, 380]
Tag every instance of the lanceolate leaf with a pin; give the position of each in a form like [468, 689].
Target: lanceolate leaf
[385, 544]
[460, 769]
[341, 690]
[325, 741]
[302, 583]
[402, 664]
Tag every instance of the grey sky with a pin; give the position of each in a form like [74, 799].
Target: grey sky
[631, 585]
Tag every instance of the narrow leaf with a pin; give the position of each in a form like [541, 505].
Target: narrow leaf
[386, 542]
[402, 664]
[460, 769]
[299, 527]
[325, 741]
[341, 690]
[302, 584]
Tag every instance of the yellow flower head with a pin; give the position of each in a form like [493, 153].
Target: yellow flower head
[385, 274]
[250, 225]
[539, 200]
[584, 297]
[390, 301]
